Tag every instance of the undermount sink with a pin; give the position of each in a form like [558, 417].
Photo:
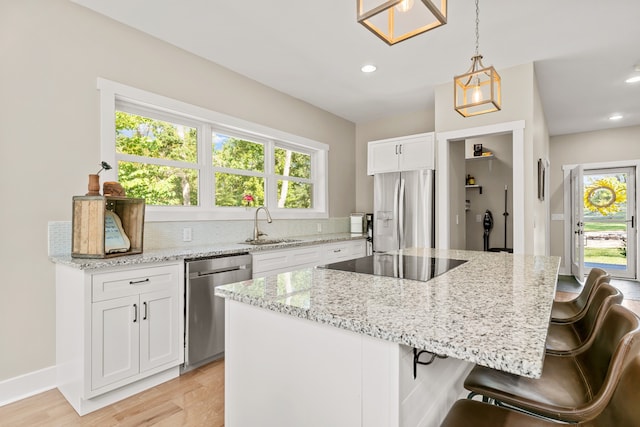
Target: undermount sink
[269, 241]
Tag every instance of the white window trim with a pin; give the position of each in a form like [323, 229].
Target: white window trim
[111, 91]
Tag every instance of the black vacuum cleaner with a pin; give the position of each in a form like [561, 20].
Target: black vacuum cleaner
[506, 216]
[487, 223]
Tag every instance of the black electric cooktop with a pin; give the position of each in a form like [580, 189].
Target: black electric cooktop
[400, 266]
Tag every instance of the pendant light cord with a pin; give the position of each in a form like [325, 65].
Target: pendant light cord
[477, 26]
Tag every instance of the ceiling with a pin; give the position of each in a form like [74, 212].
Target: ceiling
[313, 50]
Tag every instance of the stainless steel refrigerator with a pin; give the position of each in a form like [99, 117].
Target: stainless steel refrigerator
[403, 210]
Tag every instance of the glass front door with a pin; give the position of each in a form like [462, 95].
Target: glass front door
[609, 221]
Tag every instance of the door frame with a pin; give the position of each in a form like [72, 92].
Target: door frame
[576, 178]
[566, 169]
[443, 208]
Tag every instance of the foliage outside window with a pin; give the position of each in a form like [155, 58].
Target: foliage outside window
[157, 160]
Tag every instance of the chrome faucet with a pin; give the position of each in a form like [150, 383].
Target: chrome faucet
[257, 233]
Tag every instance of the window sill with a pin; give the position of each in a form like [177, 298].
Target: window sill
[157, 214]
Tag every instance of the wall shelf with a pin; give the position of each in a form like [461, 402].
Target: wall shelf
[479, 187]
[481, 157]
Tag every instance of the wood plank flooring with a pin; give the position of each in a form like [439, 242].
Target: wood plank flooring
[193, 399]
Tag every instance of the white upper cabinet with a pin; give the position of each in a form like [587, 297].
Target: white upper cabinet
[405, 153]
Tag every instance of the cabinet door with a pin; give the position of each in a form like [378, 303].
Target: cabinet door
[159, 326]
[114, 340]
[417, 153]
[382, 157]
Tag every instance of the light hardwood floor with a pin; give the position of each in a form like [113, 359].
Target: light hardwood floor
[193, 399]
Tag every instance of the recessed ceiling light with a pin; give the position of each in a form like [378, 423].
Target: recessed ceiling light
[615, 117]
[634, 79]
[369, 68]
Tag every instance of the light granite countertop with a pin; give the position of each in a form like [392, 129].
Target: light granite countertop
[181, 253]
[493, 310]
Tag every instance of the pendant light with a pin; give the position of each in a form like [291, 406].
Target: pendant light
[398, 20]
[478, 90]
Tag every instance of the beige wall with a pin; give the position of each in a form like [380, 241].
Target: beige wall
[542, 217]
[400, 125]
[610, 145]
[52, 53]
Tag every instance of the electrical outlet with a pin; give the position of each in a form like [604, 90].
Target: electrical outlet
[478, 218]
[319, 227]
[186, 234]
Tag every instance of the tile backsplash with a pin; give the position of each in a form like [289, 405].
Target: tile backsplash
[162, 235]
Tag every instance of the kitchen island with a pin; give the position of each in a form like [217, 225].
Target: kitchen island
[319, 347]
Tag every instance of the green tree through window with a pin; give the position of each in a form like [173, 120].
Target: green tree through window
[162, 148]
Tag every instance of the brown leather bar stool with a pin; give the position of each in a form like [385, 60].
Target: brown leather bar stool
[574, 386]
[564, 337]
[622, 410]
[570, 311]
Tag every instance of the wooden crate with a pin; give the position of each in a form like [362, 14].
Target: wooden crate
[88, 231]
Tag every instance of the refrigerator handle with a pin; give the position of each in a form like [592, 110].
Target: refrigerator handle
[396, 195]
[401, 214]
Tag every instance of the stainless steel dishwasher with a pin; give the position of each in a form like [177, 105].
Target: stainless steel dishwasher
[204, 312]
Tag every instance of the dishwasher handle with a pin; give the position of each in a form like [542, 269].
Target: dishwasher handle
[217, 271]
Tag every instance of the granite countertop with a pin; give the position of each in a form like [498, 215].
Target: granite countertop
[493, 310]
[174, 254]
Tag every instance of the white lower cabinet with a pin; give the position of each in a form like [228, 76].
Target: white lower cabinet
[132, 335]
[280, 261]
[118, 332]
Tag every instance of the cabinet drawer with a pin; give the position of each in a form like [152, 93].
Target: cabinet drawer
[338, 252]
[122, 283]
[286, 260]
[344, 251]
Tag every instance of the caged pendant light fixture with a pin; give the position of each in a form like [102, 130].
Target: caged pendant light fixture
[394, 21]
[478, 90]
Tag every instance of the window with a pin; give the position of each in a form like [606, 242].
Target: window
[157, 160]
[191, 164]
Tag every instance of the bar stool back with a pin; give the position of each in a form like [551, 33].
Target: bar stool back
[567, 337]
[570, 311]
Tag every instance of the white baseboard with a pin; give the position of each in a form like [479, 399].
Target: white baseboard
[27, 385]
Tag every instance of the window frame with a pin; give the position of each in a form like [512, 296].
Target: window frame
[116, 96]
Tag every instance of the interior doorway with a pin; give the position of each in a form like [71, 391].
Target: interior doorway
[488, 193]
[450, 181]
[604, 216]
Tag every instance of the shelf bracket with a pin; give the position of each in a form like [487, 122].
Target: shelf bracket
[416, 359]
